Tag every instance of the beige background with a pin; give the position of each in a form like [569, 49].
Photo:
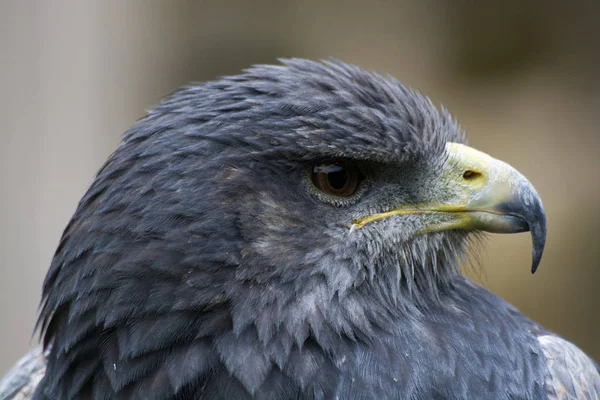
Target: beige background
[521, 76]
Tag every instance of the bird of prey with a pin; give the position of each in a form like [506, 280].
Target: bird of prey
[293, 232]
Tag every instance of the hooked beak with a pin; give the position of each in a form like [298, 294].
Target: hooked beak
[490, 196]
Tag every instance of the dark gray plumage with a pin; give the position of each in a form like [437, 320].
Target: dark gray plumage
[202, 263]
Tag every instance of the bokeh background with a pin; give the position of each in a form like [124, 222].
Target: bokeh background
[521, 77]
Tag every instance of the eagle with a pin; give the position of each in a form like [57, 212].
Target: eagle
[293, 232]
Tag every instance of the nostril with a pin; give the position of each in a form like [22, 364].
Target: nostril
[471, 175]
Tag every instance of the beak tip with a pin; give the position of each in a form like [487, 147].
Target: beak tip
[538, 237]
[535, 264]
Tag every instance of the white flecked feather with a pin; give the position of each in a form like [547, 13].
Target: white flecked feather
[571, 374]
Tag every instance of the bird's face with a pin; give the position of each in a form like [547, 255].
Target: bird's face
[338, 173]
[349, 219]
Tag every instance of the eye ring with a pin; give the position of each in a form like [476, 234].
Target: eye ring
[338, 178]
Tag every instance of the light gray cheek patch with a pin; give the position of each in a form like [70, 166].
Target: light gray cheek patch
[571, 374]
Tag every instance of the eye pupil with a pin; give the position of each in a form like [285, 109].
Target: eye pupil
[337, 178]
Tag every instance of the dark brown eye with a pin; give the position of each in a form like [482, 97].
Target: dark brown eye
[337, 177]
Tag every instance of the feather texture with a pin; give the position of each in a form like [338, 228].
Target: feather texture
[203, 264]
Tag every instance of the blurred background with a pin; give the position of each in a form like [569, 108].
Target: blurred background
[520, 76]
